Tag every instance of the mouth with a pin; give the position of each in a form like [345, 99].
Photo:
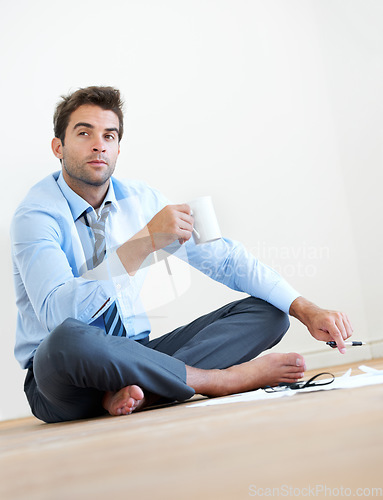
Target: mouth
[97, 163]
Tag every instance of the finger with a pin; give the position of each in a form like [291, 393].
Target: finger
[185, 225]
[184, 208]
[348, 326]
[185, 234]
[186, 217]
[344, 326]
[337, 336]
[341, 327]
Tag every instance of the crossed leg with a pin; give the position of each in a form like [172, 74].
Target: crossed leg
[218, 350]
[270, 369]
[79, 372]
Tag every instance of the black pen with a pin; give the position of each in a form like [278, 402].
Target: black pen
[333, 344]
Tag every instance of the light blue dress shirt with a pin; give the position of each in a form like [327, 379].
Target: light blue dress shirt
[51, 247]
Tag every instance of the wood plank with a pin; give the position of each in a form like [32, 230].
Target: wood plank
[329, 439]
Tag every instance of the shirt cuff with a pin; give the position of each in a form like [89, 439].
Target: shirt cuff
[282, 296]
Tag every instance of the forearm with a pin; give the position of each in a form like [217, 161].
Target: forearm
[228, 262]
[172, 223]
[133, 252]
[77, 298]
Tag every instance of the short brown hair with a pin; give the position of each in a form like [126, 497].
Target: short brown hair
[105, 97]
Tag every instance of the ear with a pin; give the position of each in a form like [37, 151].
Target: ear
[57, 148]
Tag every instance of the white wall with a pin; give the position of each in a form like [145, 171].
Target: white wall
[272, 107]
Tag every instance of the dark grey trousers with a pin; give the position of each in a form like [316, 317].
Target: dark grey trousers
[77, 363]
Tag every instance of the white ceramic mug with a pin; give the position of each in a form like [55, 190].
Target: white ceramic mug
[206, 226]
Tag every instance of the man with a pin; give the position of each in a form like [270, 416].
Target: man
[81, 247]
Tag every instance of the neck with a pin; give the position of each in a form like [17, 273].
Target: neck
[94, 195]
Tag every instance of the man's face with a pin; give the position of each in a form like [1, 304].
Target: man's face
[91, 146]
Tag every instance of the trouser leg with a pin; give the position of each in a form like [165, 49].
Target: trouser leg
[77, 363]
[233, 334]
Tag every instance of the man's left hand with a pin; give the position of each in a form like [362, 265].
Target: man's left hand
[322, 324]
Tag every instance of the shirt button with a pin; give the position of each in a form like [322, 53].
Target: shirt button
[118, 286]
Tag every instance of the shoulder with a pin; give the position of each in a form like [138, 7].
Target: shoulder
[44, 200]
[44, 193]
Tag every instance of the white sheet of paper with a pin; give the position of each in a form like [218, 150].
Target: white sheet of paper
[345, 381]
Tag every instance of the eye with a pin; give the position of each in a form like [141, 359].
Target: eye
[109, 137]
[83, 133]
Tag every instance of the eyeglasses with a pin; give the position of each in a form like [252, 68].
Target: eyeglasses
[304, 384]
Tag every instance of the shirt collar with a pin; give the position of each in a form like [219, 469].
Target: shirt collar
[77, 204]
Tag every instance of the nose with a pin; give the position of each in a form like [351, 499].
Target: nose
[99, 146]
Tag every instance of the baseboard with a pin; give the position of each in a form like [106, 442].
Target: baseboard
[322, 359]
[377, 349]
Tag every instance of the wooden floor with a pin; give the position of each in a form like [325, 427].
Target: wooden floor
[325, 441]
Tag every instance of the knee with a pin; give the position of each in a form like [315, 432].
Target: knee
[278, 319]
[63, 343]
[66, 337]
[279, 323]
[270, 315]
[281, 320]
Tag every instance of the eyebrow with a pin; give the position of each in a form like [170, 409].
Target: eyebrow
[89, 125]
[82, 124]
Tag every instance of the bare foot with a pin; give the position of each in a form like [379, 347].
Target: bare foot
[268, 370]
[124, 401]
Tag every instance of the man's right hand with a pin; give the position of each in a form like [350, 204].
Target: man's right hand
[171, 223]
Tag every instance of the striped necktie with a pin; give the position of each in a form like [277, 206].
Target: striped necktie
[112, 320]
